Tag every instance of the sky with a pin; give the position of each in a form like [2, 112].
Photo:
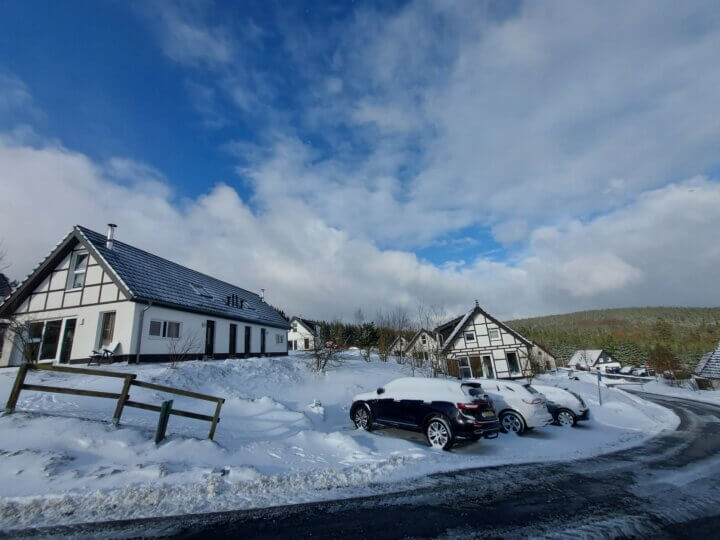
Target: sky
[539, 157]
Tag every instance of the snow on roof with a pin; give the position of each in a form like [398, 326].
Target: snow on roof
[457, 329]
[585, 357]
[709, 365]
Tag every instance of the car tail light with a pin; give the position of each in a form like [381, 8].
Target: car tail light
[468, 406]
[533, 401]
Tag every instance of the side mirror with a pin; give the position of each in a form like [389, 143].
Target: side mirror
[380, 391]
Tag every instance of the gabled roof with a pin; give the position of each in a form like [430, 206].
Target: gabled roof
[463, 320]
[709, 365]
[587, 357]
[416, 336]
[400, 337]
[144, 277]
[311, 326]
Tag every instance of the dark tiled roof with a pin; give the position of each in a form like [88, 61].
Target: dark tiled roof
[152, 278]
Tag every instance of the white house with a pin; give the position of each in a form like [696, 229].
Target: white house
[301, 336]
[422, 345]
[592, 359]
[398, 346]
[543, 356]
[478, 345]
[94, 292]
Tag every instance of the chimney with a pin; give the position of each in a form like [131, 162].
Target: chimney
[262, 294]
[110, 235]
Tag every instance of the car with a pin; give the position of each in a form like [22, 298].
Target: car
[627, 370]
[445, 410]
[566, 407]
[643, 371]
[519, 406]
[612, 369]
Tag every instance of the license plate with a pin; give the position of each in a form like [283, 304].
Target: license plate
[488, 414]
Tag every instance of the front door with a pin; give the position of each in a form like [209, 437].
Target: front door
[247, 340]
[209, 338]
[232, 349]
[67, 341]
[263, 333]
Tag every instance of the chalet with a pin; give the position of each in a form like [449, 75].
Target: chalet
[543, 356]
[592, 359]
[301, 336]
[398, 346]
[478, 345]
[95, 293]
[709, 366]
[422, 345]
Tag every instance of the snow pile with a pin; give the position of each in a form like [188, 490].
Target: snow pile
[285, 436]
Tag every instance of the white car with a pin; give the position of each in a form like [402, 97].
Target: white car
[567, 408]
[519, 406]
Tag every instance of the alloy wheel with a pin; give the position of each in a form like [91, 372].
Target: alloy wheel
[511, 423]
[565, 419]
[362, 418]
[437, 434]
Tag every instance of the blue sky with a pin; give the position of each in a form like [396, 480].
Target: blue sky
[401, 153]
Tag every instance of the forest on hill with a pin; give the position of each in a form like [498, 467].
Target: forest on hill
[627, 333]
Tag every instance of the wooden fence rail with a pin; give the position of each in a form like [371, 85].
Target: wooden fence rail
[123, 397]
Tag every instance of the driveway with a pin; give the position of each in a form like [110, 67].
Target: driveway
[669, 487]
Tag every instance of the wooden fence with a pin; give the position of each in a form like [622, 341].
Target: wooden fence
[123, 397]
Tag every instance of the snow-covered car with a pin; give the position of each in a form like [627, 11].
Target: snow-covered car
[519, 406]
[627, 370]
[566, 407]
[608, 367]
[643, 371]
[443, 409]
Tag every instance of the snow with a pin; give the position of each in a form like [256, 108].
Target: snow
[415, 387]
[659, 387]
[285, 436]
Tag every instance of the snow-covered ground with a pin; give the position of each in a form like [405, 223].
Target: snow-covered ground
[660, 387]
[285, 436]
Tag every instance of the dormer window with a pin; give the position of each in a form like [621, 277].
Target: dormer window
[201, 290]
[78, 266]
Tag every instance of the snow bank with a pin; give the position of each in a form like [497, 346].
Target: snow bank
[285, 437]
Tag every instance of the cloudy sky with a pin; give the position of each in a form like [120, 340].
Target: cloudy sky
[540, 157]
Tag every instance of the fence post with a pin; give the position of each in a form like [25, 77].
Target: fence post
[599, 392]
[15, 393]
[216, 419]
[163, 420]
[122, 399]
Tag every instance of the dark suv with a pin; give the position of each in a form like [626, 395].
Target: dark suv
[444, 410]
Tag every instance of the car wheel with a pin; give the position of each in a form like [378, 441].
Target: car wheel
[439, 433]
[565, 418]
[362, 418]
[512, 422]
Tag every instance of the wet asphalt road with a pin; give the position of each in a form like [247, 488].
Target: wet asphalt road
[668, 487]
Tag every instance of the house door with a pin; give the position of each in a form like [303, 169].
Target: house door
[247, 340]
[209, 338]
[263, 333]
[67, 341]
[476, 366]
[488, 371]
[232, 349]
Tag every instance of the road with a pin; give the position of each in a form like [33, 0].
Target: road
[669, 487]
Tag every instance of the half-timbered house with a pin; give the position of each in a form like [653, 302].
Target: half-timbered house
[422, 345]
[479, 345]
[95, 293]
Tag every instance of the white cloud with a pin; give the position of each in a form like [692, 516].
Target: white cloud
[661, 249]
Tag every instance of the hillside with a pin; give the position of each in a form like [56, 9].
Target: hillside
[628, 333]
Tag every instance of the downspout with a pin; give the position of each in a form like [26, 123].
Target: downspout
[140, 332]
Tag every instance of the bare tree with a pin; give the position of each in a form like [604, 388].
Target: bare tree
[25, 338]
[179, 349]
[429, 316]
[328, 345]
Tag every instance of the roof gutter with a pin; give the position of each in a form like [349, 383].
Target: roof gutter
[140, 331]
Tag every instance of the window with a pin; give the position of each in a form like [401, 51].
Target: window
[294, 327]
[513, 365]
[494, 333]
[2, 339]
[35, 332]
[469, 336]
[201, 290]
[156, 328]
[464, 366]
[107, 328]
[307, 343]
[423, 339]
[78, 266]
[50, 340]
[168, 329]
[278, 338]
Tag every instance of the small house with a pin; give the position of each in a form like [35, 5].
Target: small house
[422, 345]
[301, 336]
[592, 359]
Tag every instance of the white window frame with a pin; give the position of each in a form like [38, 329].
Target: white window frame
[279, 339]
[464, 364]
[73, 271]
[164, 329]
[471, 333]
[490, 334]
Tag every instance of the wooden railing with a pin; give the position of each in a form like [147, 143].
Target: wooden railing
[123, 397]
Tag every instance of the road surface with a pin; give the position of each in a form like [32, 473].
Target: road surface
[669, 487]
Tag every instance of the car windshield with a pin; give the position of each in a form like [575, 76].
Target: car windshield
[472, 389]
